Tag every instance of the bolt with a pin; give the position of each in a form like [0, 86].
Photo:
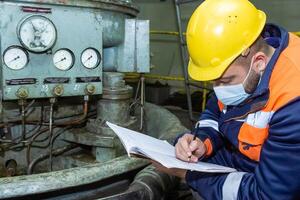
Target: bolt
[58, 90]
[22, 93]
[90, 89]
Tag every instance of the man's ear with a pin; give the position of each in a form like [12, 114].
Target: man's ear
[260, 62]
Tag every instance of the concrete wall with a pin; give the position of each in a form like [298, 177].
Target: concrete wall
[165, 50]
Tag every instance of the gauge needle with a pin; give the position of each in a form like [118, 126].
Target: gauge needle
[89, 58]
[61, 60]
[34, 28]
[16, 58]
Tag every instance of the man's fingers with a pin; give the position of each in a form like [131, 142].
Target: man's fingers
[184, 143]
[194, 159]
[181, 153]
[194, 145]
[189, 150]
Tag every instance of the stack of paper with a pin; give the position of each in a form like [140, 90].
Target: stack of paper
[160, 151]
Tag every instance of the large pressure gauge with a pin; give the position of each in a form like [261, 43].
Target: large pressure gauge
[63, 59]
[37, 33]
[90, 58]
[15, 57]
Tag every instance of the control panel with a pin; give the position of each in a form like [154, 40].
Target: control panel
[50, 52]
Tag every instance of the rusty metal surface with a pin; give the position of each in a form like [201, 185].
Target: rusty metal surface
[160, 123]
[34, 184]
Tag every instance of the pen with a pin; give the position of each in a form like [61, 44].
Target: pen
[193, 132]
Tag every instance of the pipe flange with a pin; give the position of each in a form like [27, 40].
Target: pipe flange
[117, 93]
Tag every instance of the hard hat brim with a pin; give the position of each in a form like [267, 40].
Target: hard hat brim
[205, 73]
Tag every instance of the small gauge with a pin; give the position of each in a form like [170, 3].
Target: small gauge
[63, 59]
[90, 58]
[37, 33]
[15, 57]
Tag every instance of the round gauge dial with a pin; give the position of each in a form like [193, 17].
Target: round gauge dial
[90, 58]
[63, 59]
[15, 57]
[37, 33]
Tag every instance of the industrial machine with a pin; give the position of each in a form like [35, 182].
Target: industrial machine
[61, 79]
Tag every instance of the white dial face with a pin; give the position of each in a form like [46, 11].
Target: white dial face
[90, 58]
[63, 59]
[37, 33]
[15, 57]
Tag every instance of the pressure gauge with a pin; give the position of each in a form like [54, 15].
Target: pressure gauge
[15, 57]
[90, 58]
[37, 33]
[63, 59]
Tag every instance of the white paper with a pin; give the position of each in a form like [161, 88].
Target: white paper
[160, 151]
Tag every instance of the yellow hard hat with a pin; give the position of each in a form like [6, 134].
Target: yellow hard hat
[218, 32]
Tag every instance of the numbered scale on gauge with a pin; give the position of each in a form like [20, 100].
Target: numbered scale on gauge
[90, 58]
[63, 59]
[15, 57]
[37, 33]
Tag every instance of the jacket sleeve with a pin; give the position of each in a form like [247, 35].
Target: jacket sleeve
[207, 128]
[277, 174]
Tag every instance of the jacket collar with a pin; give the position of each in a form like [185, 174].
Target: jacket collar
[279, 39]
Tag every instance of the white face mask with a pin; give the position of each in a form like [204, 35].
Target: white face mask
[232, 94]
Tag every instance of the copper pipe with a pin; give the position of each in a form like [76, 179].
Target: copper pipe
[81, 118]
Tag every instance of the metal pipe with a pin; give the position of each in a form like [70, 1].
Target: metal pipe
[297, 33]
[106, 5]
[184, 56]
[160, 123]
[154, 184]
[22, 104]
[155, 32]
[184, 1]
[165, 33]
[142, 102]
[30, 143]
[81, 118]
[52, 102]
[41, 183]
[166, 78]
[42, 157]
[204, 97]
[148, 184]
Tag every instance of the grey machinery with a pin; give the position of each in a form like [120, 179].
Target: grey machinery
[60, 81]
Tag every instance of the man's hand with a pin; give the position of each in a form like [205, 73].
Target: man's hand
[181, 173]
[189, 150]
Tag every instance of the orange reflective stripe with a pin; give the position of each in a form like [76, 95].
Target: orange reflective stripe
[209, 147]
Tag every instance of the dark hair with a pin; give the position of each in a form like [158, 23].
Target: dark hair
[258, 45]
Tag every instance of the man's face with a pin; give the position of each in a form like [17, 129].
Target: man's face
[247, 72]
[235, 74]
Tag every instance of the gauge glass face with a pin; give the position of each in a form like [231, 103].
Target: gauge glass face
[63, 59]
[15, 57]
[37, 33]
[90, 58]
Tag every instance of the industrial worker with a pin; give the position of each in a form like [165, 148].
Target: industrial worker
[252, 121]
